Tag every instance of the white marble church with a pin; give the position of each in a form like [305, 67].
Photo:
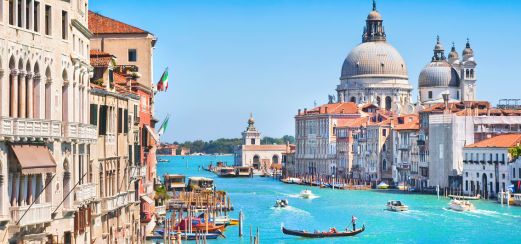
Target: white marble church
[252, 153]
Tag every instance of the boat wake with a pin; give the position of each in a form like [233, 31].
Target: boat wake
[291, 209]
[298, 196]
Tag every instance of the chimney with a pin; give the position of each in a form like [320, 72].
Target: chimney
[342, 111]
[305, 111]
[319, 110]
[326, 110]
[299, 111]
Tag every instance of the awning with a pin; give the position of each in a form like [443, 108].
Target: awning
[147, 199]
[152, 133]
[34, 159]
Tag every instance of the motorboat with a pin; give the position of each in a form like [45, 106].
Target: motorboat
[317, 234]
[382, 185]
[476, 197]
[459, 205]
[306, 193]
[402, 186]
[281, 203]
[243, 171]
[396, 206]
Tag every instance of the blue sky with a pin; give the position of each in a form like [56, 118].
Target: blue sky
[230, 58]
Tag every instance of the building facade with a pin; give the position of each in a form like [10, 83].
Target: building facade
[46, 187]
[252, 153]
[487, 165]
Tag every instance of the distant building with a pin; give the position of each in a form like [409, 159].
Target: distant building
[487, 164]
[406, 152]
[167, 149]
[252, 153]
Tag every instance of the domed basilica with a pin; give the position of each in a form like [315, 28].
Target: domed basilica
[375, 72]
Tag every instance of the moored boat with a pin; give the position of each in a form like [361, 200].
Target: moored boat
[476, 197]
[331, 233]
[226, 172]
[461, 206]
[243, 171]
[382, 185]
[198, 224]
[396, 206]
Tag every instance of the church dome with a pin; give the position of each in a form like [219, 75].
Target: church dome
[439, 74]
[374, 15]
[374, 59]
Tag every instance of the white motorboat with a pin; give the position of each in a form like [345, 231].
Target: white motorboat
[459, 205]
[281, 203]
[382, 185]
[396, 206]
[306, 194]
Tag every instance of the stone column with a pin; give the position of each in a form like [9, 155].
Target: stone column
[21, 95]
[14, 93]
[30, 96]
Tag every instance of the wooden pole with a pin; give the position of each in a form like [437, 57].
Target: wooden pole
[240, 222]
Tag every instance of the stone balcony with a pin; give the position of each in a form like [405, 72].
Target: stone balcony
[109, 204]
[79, 131]
[85, 193]
[29, 129]
[37, 214]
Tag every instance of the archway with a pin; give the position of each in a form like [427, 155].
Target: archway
[379, 101]
[256, 162]
[388, 103]
[384, 164]
[353, 99]
[484, 184]
[275, 159]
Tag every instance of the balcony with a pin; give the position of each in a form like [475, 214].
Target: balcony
[78, 131]
[30, 128]
[133, 197]
[109, 204]
[143, 171]
[135, 172]
[85, 193]
[37, 214]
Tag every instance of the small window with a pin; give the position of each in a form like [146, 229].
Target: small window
[132, 55]
[27, 14]
[11, 12]
[457, 94]
[48, 20]
[65, 23]
[36, 17]
[430, 94]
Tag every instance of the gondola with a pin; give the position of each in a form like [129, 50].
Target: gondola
[304, 233]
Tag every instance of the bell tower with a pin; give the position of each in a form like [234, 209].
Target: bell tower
[251, 136]
[468, 74]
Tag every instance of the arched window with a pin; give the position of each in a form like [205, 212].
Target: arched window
[472, 73]
[384, 165]
[467, 74]
[256, 162]
[48, 91]
[379, 101]
[388, 102]
[65, 96]
[430, 95]
[353, 99]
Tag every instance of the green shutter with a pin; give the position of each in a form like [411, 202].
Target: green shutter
[120, 120]
[103, 120]
[125, 121]
[94, 114]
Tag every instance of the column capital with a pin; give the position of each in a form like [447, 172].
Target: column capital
[29, 75]
[14, 72]
[37, 76]
[21, 72]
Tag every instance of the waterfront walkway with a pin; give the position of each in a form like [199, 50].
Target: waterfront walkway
[428, 221]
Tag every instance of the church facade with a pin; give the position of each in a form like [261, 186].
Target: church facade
[261, 157]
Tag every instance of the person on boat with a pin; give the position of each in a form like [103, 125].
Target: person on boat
[332, 230]
[353, 221]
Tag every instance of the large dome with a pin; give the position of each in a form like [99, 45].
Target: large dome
[374, 59]
[439, 74]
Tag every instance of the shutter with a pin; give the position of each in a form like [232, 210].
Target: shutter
[89, 216]
[137, 154]
[103, 120]
[130, 155]
[76, 218]
[94, 114]
[120, 120]
[125, 121]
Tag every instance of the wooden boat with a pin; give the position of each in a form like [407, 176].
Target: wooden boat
[382, 186]
[304, 233]
[198, 225]
[243, 171]
[226, 172]
[396, 206]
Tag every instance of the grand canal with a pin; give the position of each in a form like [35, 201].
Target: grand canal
[428, 221]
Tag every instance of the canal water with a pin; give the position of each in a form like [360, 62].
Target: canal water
[428, 221]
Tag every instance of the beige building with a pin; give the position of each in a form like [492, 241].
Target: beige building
[46, 185]
[252, 153]
[115, 165]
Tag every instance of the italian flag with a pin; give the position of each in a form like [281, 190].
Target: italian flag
[164, 125]
[162, 85]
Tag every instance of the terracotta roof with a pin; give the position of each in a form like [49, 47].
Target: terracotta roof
[352, 123]
[99, 24]
[264, 148]
[407, 122]
[501, 141]
[99, 58]
[335, 108]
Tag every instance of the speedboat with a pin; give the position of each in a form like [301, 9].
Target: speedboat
[396, 206]
[306, 193]
[459, 205]
[281, 203]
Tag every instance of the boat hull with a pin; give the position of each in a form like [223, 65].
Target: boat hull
[321, 234]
